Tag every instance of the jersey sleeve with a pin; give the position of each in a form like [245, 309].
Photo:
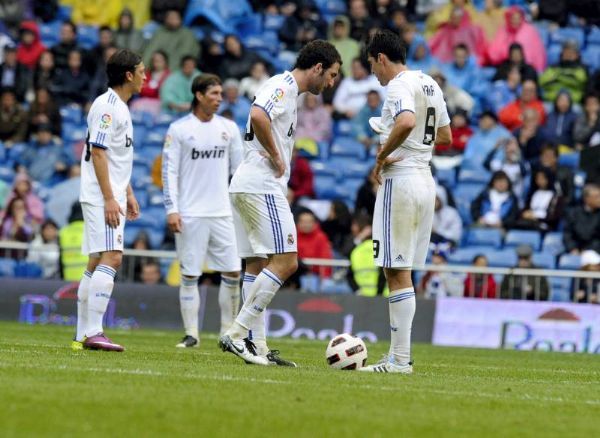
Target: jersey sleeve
[400, 98]
[170, 171]
[271, 100]
[236, 148]
[444, 119]
[101, 126]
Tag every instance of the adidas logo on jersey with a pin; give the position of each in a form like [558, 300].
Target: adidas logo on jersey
[217, 152]
[400, 258]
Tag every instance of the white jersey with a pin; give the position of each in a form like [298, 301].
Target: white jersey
[198, 158]
[277, 97]
[109, 128]
[418, 93]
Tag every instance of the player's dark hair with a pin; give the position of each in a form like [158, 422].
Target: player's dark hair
[388, 43]
[318, 52]
[202, 83]
[121, 62]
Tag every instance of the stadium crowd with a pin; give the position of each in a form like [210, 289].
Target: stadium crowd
[521, 80]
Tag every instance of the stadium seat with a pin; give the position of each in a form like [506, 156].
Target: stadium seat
[553, 53]
[569, 261]
[571, 160]
[593, 37]
[332, 7]
[87, 36]
[467, 191]
[75, 134]
[321, 168]
[49, 33]
[343, 128]
[560, 289]
[474, 176]
[155, 138]
[71, 113]
[446, 176]
[332, 192]
[491, 237]
[7, 174]
[7, 267]
[341, 163]
[544, 260]
[518, 237]
[505, 258]
[591, 57]
[28, 270]
[153, 216]
[273, 22]
[330, 286]
[324, 181]
[465, 256]
[352, 185]
[250, 25]
[133, 229]
[348, 147]
[163, 120]
[357, 170]
[562, 35]
[553, 243]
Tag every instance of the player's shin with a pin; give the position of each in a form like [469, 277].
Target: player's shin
[100, 291]
[229, 300]
[82, 305]
[402, 311]
[189, 302]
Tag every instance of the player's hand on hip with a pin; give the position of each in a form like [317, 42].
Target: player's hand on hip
[174, 222]
[133, 208]
[277, 164]
[112, 212]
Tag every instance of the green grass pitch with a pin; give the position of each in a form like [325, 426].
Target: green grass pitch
[155, 390]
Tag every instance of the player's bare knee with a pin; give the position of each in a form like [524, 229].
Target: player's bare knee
[112, 259]
[284, 265]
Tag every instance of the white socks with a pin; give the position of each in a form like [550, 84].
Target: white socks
[229, 301]
[256, 333]
[402, 311]
[261, 293]
[100, 289]
[82, 305]
[189, 302]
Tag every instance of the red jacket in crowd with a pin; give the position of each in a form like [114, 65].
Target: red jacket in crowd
[315, 245]
[480, 286]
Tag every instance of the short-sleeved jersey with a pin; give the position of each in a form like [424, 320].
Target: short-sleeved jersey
[198, 158]
[109, 128]
[419, 93]
[278, 98]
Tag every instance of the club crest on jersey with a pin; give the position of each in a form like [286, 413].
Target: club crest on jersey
[290, 239]
[105, 121]
[224, 136]
[277, 95]
[168, 141]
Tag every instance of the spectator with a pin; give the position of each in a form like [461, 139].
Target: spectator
[395, 17]
[360, 123]
[106, 38]
[587, 290]
[150, 274]
[351, 95]
[96, 12]
[44, 250]
[337, 227]
[544, 206]
[314, 121]
[363, 275]
[524, 287]
[582, 223]
[313, 242]
[16, 226]
[45, 10]
[447, 224]
[562, 175]
[63, 195]
[22, 189]
[303, 26]
[507, 157]
[258, 76]
[238, 105]
[436, 284]
[127, 36]
[66, 44]
[461, 132]
[45, 71]
[458, 30]
[5, 41]
[99, 83]
[456, 98]
[419, 56]
[569, 74]
[43, 111]
[13, 120]
[30, 46]
[212, 56]
[140, 243]
[511, 115]
[502, 92]
[12, 14]
[45, 158]
[561, 121]
[483, 140]
[13, 75]
[237, 61]
[480, 285]
[70, 237]
[587, 124]
[531, 135]
[491, 18]
[301, 182]
[516, 58]
[345, 45]
[156, 75]
[176, 94]
[496, 206]
[442, 12]
[517, 30]
[365, 198]
[71, 85]
[174, 39]
[360, 20]
[160, 8]
[462, 72]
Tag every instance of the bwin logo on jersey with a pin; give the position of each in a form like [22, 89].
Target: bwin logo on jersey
[217, 152]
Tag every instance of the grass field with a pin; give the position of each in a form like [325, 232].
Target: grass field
[155, 390]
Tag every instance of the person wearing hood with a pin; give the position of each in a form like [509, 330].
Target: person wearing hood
[30, 46]
[348, 48]
[447, 224]
[496, 206]
[126, 35]
[459, 30]
[174, 39]
[419, 57]
[442, 15]
[483, 140]
[22, 189]
[544, 205]
[516, 58]
[561, 121]
[491, 18]
[568, 74]
[305, 25]
[462, 72]
[517, 30]
[507, 157]
[313, 242]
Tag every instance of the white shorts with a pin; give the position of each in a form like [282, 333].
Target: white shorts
[403, 218]
[207, 242]
[98, 237]
[264, 224]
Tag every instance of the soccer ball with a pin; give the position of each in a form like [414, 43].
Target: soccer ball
[346, 352]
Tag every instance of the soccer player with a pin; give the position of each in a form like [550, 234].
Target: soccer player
[413, 119]
[201, 151]
[264, 225]
[106, 197]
